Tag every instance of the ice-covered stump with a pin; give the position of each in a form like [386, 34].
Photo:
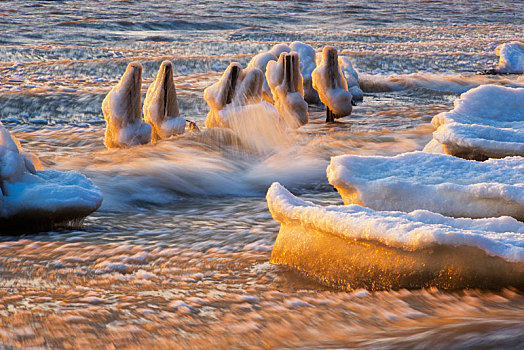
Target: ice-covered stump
[351, 76]
[161, 105]
[123, 111]
[31, 198]
[261, 60]
[441, 183]
[358, 247]
[307, 57]
[511, 57]
[236, 95]
[331, 85]
[486, 122]
[285, 80]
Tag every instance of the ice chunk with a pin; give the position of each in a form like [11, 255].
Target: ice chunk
[260, 61]
[331, 85]
[351, 76]
[486, 122]
[161, 105]
[307, 57]
[359, 247]
[278, 49]
[437, 182]
[511, 57]
[236, 90]
[34, 199]
[123, 113]
[285, 80]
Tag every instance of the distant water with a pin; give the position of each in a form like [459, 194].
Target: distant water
[178, 254]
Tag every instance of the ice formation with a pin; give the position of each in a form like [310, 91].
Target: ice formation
[123, 113]
[331, 85]
[437, 182]
[351, 76]
[356, 246]
[511, 57]
[33, 198]
[307, 57]
[161, 105]
[237, 98]
[285, 80]
[486, 122]
[261, 60]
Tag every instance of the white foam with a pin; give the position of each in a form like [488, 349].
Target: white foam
[122, 111]
[502, 237]
[487, 121]
[511, 57]
[436, 182]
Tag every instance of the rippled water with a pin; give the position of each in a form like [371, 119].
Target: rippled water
[178, 254]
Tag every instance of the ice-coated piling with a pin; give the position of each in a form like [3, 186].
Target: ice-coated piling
[123, 113]
[286, 83]
[237, 88]
[331, 86]
[161, 105]
[307, 57]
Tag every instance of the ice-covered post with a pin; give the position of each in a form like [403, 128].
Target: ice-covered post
[161, 105]
[285, 80]
[123, 113]
[331, 85]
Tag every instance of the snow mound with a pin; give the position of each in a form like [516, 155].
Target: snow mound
[351, 76]
[161, 105]
[307, 57]
[355, 246]
[122, 111]
[286, 83]
[36, 199]
[331, 85]
[436, 182]
[511, 57]
[486, 122]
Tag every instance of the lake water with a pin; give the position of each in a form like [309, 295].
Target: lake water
[178, 254]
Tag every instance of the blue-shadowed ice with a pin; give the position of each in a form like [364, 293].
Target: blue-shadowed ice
[33, 198]
[486, 122]
[440, 183]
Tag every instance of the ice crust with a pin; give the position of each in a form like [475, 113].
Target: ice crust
[237, 95]
[331, 85]
[286, 83]
[511, 57]
[502, 237]
[486, 122]
[161, 105]
[123, 113]
[307, 57]
[31, 197]
[440, 183]
[351, 76]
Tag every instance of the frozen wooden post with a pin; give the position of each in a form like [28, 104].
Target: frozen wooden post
[231, 85]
